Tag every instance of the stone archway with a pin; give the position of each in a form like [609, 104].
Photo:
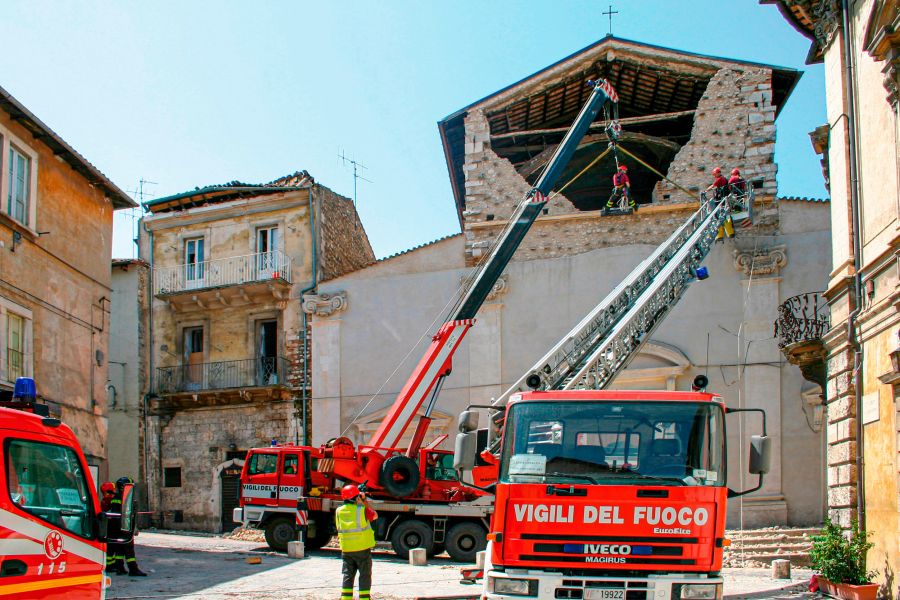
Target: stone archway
[216, 496]
[656, 367]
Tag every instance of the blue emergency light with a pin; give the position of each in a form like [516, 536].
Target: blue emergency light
[700, 273]
[25, 390]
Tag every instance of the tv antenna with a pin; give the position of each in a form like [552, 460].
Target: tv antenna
[135, 213]
[357, 167]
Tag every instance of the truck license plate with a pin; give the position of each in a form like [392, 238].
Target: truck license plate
[604, 594]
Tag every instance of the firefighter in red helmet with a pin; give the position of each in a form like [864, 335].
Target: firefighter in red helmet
[719, 185]
[353, 520]
[621, 187]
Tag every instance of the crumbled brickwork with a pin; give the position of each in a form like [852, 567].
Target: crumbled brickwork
[734, 126]
[344, 244]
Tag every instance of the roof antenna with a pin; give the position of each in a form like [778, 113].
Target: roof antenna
[135, 213]
[357, 166]
[610, 12]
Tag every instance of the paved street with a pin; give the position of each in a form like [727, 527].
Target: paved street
[194, 566]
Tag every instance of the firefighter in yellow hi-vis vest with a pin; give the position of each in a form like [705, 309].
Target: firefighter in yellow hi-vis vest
[353, 520]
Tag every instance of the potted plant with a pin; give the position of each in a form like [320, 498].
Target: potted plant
[841, 563]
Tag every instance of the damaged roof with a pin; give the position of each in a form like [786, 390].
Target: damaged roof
[214, 194]
[64, 151]
[649, 79]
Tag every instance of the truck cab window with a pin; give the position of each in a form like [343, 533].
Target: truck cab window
[290, 464]
[263, 464]
[48, 481]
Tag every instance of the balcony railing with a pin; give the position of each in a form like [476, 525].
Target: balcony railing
[237, 270]
[229, 374]
[802, 318]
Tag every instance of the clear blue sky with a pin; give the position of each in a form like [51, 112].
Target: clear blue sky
[187, 94]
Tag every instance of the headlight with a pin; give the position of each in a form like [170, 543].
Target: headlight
[698, 591]
[514, 587]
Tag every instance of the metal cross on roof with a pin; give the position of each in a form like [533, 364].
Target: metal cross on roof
[610, 12]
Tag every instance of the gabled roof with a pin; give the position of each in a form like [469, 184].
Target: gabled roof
[213, 194]
[60, 148]
[592, 62]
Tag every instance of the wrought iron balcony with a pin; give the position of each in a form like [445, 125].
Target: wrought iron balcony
[222, 272]
[803, 320]
[223, 375]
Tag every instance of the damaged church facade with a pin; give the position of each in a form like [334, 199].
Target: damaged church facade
[681, 115]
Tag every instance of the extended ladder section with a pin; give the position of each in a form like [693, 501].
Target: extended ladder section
[605, 341]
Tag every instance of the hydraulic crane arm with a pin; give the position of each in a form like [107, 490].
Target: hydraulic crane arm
[428, 376]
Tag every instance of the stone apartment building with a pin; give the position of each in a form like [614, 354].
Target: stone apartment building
[682, 114]
[859, 46]
[233, 268]
[56, 216]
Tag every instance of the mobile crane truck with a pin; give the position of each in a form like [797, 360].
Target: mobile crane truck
[52, 534]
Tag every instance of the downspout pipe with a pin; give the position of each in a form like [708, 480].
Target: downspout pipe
[313, 230]
[150, 374]
[852, 338]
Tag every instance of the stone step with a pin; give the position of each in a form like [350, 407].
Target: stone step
[766, 548]
[798, 559]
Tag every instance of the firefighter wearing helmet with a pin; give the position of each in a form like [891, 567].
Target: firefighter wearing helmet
[621, 187]
[719, 186]
[121, 553]
[353, 521]
[736, 183]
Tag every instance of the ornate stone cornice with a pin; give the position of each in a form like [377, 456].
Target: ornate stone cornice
[761, 262]
[324, 305]
[826, 17]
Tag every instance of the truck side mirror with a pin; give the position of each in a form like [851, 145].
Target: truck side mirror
[468, 421]
[465, 451]
[101, 526]
[760, 454]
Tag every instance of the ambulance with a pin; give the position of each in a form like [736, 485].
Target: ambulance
[52, 532]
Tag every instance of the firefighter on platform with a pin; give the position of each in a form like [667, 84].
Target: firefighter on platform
[736, 183]
[621, 187]
[353, 520]
[719, 185]
[126, 549]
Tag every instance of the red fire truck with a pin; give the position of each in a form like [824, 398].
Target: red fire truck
[609, 495]
[52, 533]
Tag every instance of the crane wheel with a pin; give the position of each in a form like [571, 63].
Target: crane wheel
[399, 476]
[411, 534]
[279, 532]
[465, 540]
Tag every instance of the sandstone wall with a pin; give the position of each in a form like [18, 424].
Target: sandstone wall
[344, 244]
[197, 440]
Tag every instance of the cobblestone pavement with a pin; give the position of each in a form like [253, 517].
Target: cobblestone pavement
[205, 566]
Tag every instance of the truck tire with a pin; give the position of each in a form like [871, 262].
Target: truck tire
[279, 532]
[319, 532]
[399, 476]
[464, 540]
[412, 534]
